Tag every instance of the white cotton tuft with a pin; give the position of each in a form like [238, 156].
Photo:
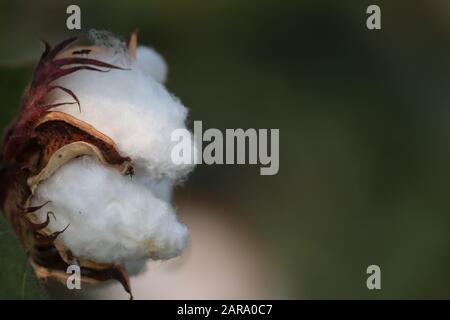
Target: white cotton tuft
[151, 63]
[113, 218]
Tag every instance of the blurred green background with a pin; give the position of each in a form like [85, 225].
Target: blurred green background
[363, 116]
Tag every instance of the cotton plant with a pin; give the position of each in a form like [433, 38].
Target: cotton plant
[88, 175]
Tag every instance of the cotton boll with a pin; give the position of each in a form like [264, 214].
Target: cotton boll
[92, 145]
[151, 63]
[112, 218]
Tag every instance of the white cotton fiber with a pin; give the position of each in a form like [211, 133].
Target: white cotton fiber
[151, 63]
[111, 217]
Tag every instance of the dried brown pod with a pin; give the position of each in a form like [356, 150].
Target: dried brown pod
[36, 145]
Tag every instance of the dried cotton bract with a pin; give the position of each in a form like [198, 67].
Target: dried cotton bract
[92, 147]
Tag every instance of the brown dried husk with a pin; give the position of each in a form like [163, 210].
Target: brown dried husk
[46, 143]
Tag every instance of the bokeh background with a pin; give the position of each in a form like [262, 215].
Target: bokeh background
[364, 140]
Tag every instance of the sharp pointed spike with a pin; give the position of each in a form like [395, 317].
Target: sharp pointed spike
[69, 92]
[132, 44]
[59, 232]
[52, 106]
[60, 46]
[40, 226]
[65, 72]
[46, 50]
[120, 274]
[32, 209]
[84, 61]
[47, 239]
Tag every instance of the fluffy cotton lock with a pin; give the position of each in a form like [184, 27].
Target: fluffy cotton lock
[114, 218]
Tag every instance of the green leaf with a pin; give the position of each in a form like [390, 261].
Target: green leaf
[17, 278]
